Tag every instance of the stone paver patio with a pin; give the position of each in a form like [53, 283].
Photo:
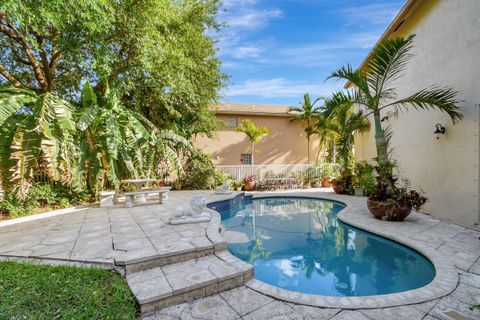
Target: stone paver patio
[137, 239]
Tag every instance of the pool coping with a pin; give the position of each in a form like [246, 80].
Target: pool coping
[356, 214]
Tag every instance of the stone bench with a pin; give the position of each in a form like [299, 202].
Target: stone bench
[108, 198]
[130, 196]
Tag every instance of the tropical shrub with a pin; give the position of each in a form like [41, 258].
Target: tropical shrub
[36, 131]
[364, 177]
[389, 190]
[340, 120]
[198, 173]
[313, 174]
[120, 142]
[12, 206]
[221, 178]
[42, 195]
[343, 184]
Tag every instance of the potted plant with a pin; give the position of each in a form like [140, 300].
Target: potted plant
[249, 183]
[363, 179]
[238, 184]
[327, 176]
[343, 184]
[391, 201]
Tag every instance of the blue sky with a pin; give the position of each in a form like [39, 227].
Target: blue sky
[275, 51]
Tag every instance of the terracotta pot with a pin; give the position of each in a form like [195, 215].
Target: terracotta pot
[388, 211]
[327, 183]
[337, 188]
[249, 186]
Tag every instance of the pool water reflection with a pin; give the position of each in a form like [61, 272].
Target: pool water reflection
[298, 244]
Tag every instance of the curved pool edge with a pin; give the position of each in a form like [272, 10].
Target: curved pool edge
[357, 215]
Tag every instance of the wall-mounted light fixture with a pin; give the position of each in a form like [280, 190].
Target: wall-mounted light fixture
[439, 129]
[390, 115]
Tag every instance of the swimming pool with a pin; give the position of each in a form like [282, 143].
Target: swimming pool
[298, 244]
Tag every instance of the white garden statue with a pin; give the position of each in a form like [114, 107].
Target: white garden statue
[193, 212]
[223, 189]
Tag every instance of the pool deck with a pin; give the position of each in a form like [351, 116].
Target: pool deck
[166, 265]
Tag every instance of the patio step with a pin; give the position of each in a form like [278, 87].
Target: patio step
[161, 287]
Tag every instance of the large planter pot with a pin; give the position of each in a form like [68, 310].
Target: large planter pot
[388, 211]
[338, 188]
[249, 186]
[327, 183]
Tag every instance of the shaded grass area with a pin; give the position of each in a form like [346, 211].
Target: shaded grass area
[30, 291]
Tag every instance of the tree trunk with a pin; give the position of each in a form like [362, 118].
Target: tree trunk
[334, 152]
[380, 140]
[308, 148]
[253, 154]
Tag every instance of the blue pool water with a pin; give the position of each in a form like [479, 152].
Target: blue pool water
[299, 244]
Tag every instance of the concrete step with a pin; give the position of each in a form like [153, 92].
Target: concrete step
[161, 287]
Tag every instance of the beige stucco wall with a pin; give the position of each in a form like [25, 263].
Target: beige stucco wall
[286, 145]
[447, 52]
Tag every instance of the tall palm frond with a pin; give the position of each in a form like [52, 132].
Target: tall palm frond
[374, 88]
[443, 99]
[387, 63]
[253, 132]
[307, 113]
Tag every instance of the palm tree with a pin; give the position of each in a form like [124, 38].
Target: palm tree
[255, 134]
[374, 88]
[342, 121]
[327, 137]
[36, 131]
[307, 114]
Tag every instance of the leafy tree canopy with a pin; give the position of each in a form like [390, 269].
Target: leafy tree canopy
[156, 53]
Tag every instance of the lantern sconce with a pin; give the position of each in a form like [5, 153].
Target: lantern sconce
[390, 115]
[439, 129]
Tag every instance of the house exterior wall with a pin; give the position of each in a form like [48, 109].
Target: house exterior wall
[286, 145]
[446, 53]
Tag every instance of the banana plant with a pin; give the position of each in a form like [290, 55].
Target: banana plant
[119, 142]
[37, 132]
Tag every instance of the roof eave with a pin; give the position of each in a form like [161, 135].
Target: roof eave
[245, 113]
[392, 27]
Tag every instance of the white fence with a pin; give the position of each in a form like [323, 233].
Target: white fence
[265, 171]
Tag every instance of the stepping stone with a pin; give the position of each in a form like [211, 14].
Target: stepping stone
[175, 283]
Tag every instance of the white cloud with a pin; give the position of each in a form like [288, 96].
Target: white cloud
[251, 19]
[247, 52]
[380, 14]
[276, 87]
[319, 54]
[241, 17]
